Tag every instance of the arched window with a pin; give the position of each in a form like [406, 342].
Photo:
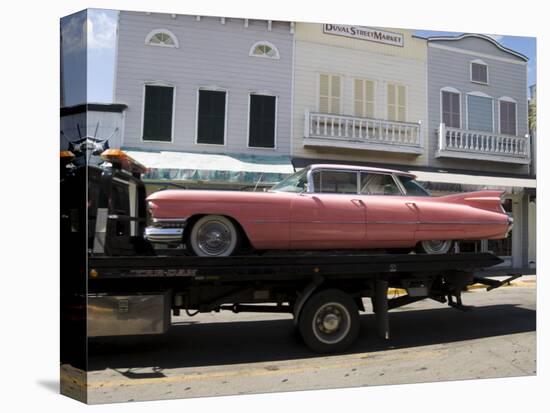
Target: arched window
[264, 49]
[161, 37]
[508, 117]
[451, 103]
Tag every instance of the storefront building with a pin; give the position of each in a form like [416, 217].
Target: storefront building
[196, 86]
[359, 95]
[478, 132]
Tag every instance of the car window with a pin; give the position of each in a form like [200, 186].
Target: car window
[378, 184]
[412, 187]
[335, 182]
[294, 183]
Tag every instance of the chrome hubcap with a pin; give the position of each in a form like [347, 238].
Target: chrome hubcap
[214, 238]
[331, 323]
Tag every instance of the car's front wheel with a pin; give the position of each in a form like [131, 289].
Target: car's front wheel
[435, 246]
[213, 236]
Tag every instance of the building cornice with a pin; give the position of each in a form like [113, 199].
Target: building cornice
[477, 54]
[479, 36]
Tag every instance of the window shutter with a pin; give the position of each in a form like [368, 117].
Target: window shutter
[479, 72]
[369, 92]
[335, 94]
[401, 103]
[262, 121]
[392, 112]
[397, 102]
[324, 94]
[364, 98]
[329, 93]
[455, 110]
[211, 117]
[157, 113]
[450, 106]
[359, 97]
[508, 118]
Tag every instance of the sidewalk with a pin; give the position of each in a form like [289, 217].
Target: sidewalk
[523, 281]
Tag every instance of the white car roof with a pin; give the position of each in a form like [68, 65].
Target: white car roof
[359, 168]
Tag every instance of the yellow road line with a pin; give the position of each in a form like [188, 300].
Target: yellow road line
[266, 370]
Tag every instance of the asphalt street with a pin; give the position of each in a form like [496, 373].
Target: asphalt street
[225, 353]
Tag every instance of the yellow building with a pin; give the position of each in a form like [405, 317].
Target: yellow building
[359, 95]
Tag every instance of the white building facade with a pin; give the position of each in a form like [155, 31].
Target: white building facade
[199, 86]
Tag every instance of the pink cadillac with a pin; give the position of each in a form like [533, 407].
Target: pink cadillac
[326, 207]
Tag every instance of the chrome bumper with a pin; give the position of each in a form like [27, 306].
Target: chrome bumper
[166, 231]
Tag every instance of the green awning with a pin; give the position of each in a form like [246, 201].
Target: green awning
[171, 166]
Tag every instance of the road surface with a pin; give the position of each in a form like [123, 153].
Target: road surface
[225, 353]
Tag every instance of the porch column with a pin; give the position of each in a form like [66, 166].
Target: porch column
[520, 233]
[525, 229]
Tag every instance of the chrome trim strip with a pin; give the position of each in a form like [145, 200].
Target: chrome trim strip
[169, 219]
[382, 222]
[462, 222]
[164, 235]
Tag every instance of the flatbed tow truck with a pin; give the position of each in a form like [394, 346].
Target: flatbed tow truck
[115, 283]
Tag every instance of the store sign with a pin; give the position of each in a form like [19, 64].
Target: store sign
[364, 33]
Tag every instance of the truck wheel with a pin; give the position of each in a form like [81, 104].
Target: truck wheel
[329, 321]
[213, 236]
[435, 247]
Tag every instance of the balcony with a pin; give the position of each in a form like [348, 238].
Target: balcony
[485, 146]
[323, 130]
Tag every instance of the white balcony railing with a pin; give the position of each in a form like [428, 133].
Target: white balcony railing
[468, 144]
[341, 131]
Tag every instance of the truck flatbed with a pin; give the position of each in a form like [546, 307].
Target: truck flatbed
[284, 267]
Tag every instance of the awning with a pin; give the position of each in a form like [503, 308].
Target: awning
[474, 182]
[213, 168]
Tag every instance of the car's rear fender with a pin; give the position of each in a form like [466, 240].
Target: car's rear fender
[487, 200]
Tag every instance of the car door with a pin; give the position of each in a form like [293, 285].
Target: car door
[332, 216]
[391, 216]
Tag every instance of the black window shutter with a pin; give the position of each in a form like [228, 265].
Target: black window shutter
[262, 121]
[211, 127]
[157, 121]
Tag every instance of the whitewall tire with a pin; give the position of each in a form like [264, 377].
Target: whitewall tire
[213, 236]
[436, 246]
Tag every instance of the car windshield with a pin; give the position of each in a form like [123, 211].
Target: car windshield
[294, 183]
[412, 187]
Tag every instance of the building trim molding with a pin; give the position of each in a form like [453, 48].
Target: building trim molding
[479, 36]
[478, 54]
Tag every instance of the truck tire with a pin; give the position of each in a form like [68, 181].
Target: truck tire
[213, 236]
[329, 321]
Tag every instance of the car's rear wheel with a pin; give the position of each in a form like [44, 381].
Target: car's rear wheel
[213, 236]
[435, 246]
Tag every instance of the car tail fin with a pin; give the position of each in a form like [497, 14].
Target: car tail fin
[488, 200]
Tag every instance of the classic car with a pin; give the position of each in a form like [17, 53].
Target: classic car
[326, 207]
